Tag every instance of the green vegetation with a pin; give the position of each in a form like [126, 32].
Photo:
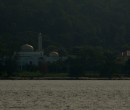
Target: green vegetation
[28, 74]
[66, 23]
[88, 62]
[94, 31]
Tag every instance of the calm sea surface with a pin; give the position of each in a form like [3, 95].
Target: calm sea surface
[65, 95]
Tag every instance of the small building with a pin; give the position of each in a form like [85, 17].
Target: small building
[28, 56]
[126, 53]
[123, 57]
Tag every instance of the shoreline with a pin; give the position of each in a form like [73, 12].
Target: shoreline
[61, 78]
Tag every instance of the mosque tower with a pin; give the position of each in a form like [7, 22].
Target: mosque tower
[40, 42]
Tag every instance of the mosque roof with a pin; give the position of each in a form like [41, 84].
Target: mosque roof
[27, 48]
[54, 54]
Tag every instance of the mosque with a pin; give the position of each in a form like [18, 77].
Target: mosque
[27, 55]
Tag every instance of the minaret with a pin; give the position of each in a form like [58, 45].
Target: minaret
[40, 42]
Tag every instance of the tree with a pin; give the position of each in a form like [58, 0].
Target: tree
[109, 65]
[127, 68]
[10, 67]
[76, 67]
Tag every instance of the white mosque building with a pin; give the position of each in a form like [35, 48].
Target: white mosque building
[27, 55]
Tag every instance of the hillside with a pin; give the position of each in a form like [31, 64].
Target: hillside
[65, 23]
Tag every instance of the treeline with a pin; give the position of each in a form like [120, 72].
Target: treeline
[93, 31]
[65, 23]
[85, 62]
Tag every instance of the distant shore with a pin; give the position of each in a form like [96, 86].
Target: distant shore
[61, 78]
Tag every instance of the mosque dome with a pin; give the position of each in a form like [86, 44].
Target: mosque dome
[54, 54]
[27, 48]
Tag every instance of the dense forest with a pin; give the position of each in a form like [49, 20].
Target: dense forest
[93, 30]
[65, 23]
